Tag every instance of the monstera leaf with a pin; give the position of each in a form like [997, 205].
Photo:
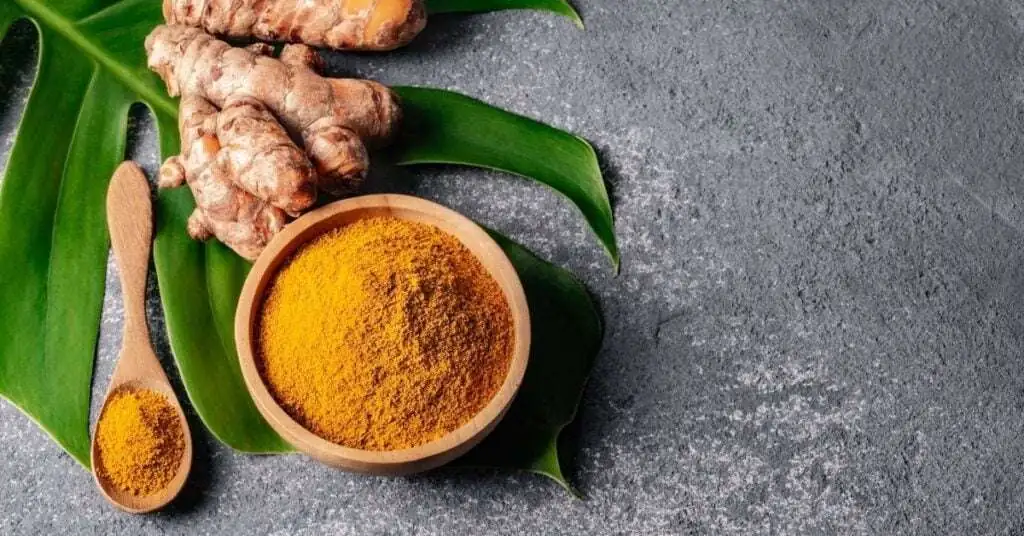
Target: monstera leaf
[448, 128]
[54, 242]
[53, 235]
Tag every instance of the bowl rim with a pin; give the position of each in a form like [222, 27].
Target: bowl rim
[408, 460]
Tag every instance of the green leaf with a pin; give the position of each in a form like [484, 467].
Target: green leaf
[8, 14]
[53, 237]
[449, 128]
[567, 334]
[92, 69]
[560, 7]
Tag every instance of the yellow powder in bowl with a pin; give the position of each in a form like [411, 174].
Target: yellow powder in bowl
[139, 442]
[384, 334]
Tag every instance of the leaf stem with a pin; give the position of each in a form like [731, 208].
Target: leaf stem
[70, 31]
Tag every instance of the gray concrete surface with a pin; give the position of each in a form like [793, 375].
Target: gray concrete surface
[818, 325]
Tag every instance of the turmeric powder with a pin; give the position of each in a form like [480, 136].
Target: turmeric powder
[384, 334]
[139, 441]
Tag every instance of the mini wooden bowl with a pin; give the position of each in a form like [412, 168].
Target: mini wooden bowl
[340, 213]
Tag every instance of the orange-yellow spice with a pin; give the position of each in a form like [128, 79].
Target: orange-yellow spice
[384, 334]
[139, 441]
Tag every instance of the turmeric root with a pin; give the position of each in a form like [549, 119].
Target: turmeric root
[242, 113]
[338, 24]
[335, 118]
[244, 171]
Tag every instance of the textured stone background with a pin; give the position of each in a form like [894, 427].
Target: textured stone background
[818, 325]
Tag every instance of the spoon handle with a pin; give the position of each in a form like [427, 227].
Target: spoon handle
[130, 219]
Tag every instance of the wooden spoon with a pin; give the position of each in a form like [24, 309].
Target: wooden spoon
[130, 219]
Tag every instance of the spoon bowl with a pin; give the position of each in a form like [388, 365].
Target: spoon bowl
[127, 501]
[130, 218]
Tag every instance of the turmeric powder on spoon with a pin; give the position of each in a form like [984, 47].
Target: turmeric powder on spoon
[139, 441]
[384, 334]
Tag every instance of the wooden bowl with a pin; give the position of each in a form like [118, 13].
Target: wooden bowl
[340, 213]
